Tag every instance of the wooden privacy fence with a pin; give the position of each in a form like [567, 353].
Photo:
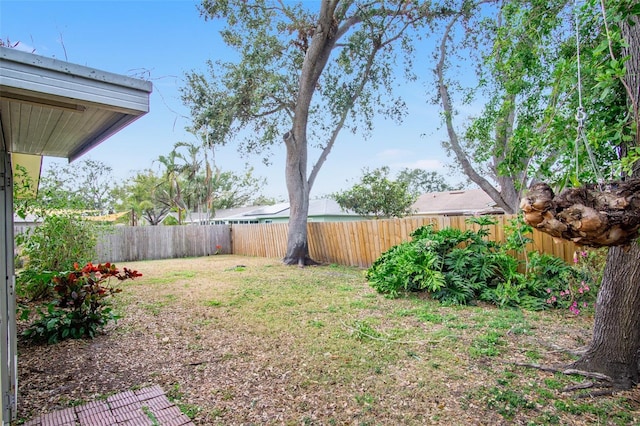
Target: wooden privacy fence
[129, 243]
[356, 243]
[360, 243]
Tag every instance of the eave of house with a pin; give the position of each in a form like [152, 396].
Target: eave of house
[54, 108]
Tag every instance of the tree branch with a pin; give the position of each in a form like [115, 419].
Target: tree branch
[443, 90]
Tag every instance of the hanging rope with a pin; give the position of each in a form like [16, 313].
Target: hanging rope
[581, 115]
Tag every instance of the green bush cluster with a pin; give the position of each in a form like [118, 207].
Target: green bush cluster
[460, 267]
[79, 307]
[54, 245]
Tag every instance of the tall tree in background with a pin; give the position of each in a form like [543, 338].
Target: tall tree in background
[172, 169]
[82, 185]
[377, 195]
[145, 195]
[197, 185]
[302, 77]
[420, 181]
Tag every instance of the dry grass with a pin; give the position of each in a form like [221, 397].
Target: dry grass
[270, 344]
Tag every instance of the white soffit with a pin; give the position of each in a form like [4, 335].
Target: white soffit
[54, 108]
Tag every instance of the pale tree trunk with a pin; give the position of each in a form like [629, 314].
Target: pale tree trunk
[315, 60]
[615, 349]
[298, 188]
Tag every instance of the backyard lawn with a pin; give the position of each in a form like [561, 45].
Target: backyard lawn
[235, 340]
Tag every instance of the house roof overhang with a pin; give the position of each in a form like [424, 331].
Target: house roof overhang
[54, 108]
[48, 108]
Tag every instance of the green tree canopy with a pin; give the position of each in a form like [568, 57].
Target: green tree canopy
[525, 58]
[377, 195]
[86, 185]
[302, 76]
[551, 116]
[420, 181]
[145, 195]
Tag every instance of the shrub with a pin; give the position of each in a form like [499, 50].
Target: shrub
[80, 308]
[54, 245]
[455, 266]
[58, 242]
[33, 284]
[580, 288]
[459, 267]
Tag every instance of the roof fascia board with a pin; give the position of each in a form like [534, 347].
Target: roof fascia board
[123, 122]
[22, 71]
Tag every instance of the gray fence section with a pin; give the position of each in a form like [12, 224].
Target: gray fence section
[19, 229]
[130, 243]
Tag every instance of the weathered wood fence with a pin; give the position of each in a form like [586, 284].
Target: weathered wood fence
[346, 243]
[360, 243]
[129, 243]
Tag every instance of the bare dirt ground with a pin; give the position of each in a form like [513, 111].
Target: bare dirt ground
[263, 343]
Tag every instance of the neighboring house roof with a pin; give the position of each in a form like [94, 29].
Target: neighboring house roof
[321, 208]
[451, 203]
[454, 203]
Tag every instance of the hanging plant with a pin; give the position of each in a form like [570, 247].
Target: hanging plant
[591, 215]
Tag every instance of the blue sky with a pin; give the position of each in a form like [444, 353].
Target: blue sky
[160, 40]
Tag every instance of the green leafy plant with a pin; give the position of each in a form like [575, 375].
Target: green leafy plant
[455, 266]
[33, 284]
[54, 245]
[79, 308]
[580, 288]
[459, 267]
[58, 242]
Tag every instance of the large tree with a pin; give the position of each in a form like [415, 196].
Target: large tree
[524, 57]
[551, 117]
[377, 195]
[301, 77]
[615, 348]
[145, 195]
[82, 185]
[604, 213]
[506, 61]
[420, 181]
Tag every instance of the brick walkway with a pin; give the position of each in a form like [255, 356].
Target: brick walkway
[148, 406]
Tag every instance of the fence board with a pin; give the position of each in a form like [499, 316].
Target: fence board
[131, 243]
[357, 243]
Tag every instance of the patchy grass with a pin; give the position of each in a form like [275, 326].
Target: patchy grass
[235, 340]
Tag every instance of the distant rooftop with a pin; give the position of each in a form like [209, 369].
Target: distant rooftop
[453, 203]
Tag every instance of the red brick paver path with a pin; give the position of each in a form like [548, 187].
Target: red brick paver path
[144, 407]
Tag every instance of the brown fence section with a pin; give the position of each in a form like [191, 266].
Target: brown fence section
[356, 243]
[360, 243]
[260, 240]
[129, 243]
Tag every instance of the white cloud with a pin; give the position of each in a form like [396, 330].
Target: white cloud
[426, 164]
[392, 153]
